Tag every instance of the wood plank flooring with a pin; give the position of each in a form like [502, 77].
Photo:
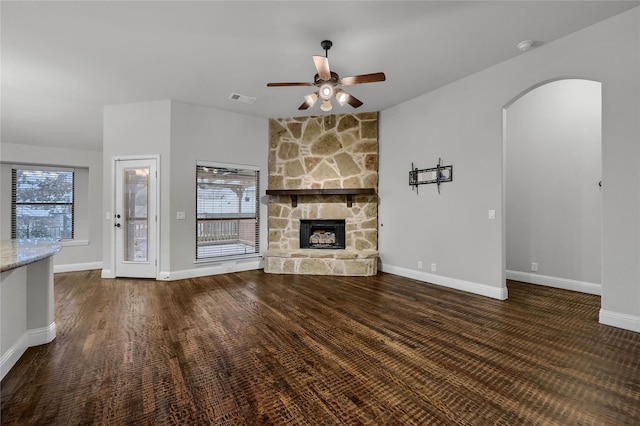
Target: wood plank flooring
[256, 349]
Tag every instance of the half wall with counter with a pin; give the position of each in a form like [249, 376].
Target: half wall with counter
[26, 297]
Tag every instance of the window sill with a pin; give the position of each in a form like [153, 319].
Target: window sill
[74, 243]
[223, 259]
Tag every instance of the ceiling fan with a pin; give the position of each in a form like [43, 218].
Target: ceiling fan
[330, 84]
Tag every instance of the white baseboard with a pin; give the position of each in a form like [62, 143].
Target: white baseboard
[563, 283]
[73, 267]
[107, 273]
[41, 336]
[616, 319]
[33, 337]
[216, 269]
[13, 354]
[499, 293]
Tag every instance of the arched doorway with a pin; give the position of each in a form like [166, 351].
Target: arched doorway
[552, 170]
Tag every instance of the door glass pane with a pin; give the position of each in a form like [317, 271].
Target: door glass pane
[136, 208]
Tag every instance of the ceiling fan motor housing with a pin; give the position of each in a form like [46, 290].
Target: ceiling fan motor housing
[317, 81]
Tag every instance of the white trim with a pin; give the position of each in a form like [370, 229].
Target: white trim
[158, 215]
[13, 354]
[219, 268]
[73, 267]
[563, 283]
[616, 319]
[37, 167]
[223, 259]
[33, 337]
[215, 164]
[499, 293]
[107, 273]
[73, 243]
[42, 335]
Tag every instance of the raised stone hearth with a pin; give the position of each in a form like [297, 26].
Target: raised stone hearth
[323, 152]
[322, 262]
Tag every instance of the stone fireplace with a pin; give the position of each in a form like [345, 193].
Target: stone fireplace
[323, 168]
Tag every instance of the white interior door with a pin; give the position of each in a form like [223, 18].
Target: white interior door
[136, 220]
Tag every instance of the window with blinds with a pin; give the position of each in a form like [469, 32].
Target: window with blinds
[42, 203]
[227, 210]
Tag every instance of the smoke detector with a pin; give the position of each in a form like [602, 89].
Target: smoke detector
[525, 45]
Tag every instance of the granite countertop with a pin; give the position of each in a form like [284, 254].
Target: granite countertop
[17, 253]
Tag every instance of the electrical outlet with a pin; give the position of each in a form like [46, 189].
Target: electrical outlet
[433, 267]
[419, 264]
[534, 267]
[492, 214]
[181, 216]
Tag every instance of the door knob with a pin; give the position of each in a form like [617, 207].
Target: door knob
[117, 225]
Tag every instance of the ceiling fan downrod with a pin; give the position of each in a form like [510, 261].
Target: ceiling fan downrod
[326, 45]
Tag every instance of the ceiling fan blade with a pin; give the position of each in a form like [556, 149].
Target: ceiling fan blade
[350, 99]
[288, 84]
[322, 65]
[364, 78]
[304, 105]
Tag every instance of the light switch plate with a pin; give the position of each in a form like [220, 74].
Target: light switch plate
[181, 216]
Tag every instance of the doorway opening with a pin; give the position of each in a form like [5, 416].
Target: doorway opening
[552, 145]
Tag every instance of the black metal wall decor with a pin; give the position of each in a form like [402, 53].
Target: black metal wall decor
[437, 175]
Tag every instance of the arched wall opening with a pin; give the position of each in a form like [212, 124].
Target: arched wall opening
[553, 200]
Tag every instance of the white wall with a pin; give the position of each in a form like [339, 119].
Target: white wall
[553, 201]
[462, 123]
[137, 129]
[85, 252]
[203, 133]
[181, 134]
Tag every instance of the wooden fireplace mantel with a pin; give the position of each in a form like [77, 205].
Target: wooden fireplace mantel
[349, 192]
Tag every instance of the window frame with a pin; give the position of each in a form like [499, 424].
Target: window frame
[223, 256]
[15, 168]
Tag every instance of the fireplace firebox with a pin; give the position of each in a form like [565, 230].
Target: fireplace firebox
[322, 233]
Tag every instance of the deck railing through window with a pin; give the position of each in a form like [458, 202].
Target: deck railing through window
[225, 236]
[37, 230]
[212, 231]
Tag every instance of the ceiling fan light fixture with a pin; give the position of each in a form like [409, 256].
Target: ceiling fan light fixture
[326, 91]
[342, 98]
[326, 105]
[311, 99]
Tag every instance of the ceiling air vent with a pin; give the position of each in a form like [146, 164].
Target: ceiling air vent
[242, 98]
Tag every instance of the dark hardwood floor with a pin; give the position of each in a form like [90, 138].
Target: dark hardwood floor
[257, 349]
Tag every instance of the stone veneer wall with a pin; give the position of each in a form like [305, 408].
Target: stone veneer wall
[320, 152]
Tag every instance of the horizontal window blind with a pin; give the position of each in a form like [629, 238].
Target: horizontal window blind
[42, 203]
[227, 211]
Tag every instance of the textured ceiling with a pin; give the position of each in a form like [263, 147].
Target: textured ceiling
[63, 61]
